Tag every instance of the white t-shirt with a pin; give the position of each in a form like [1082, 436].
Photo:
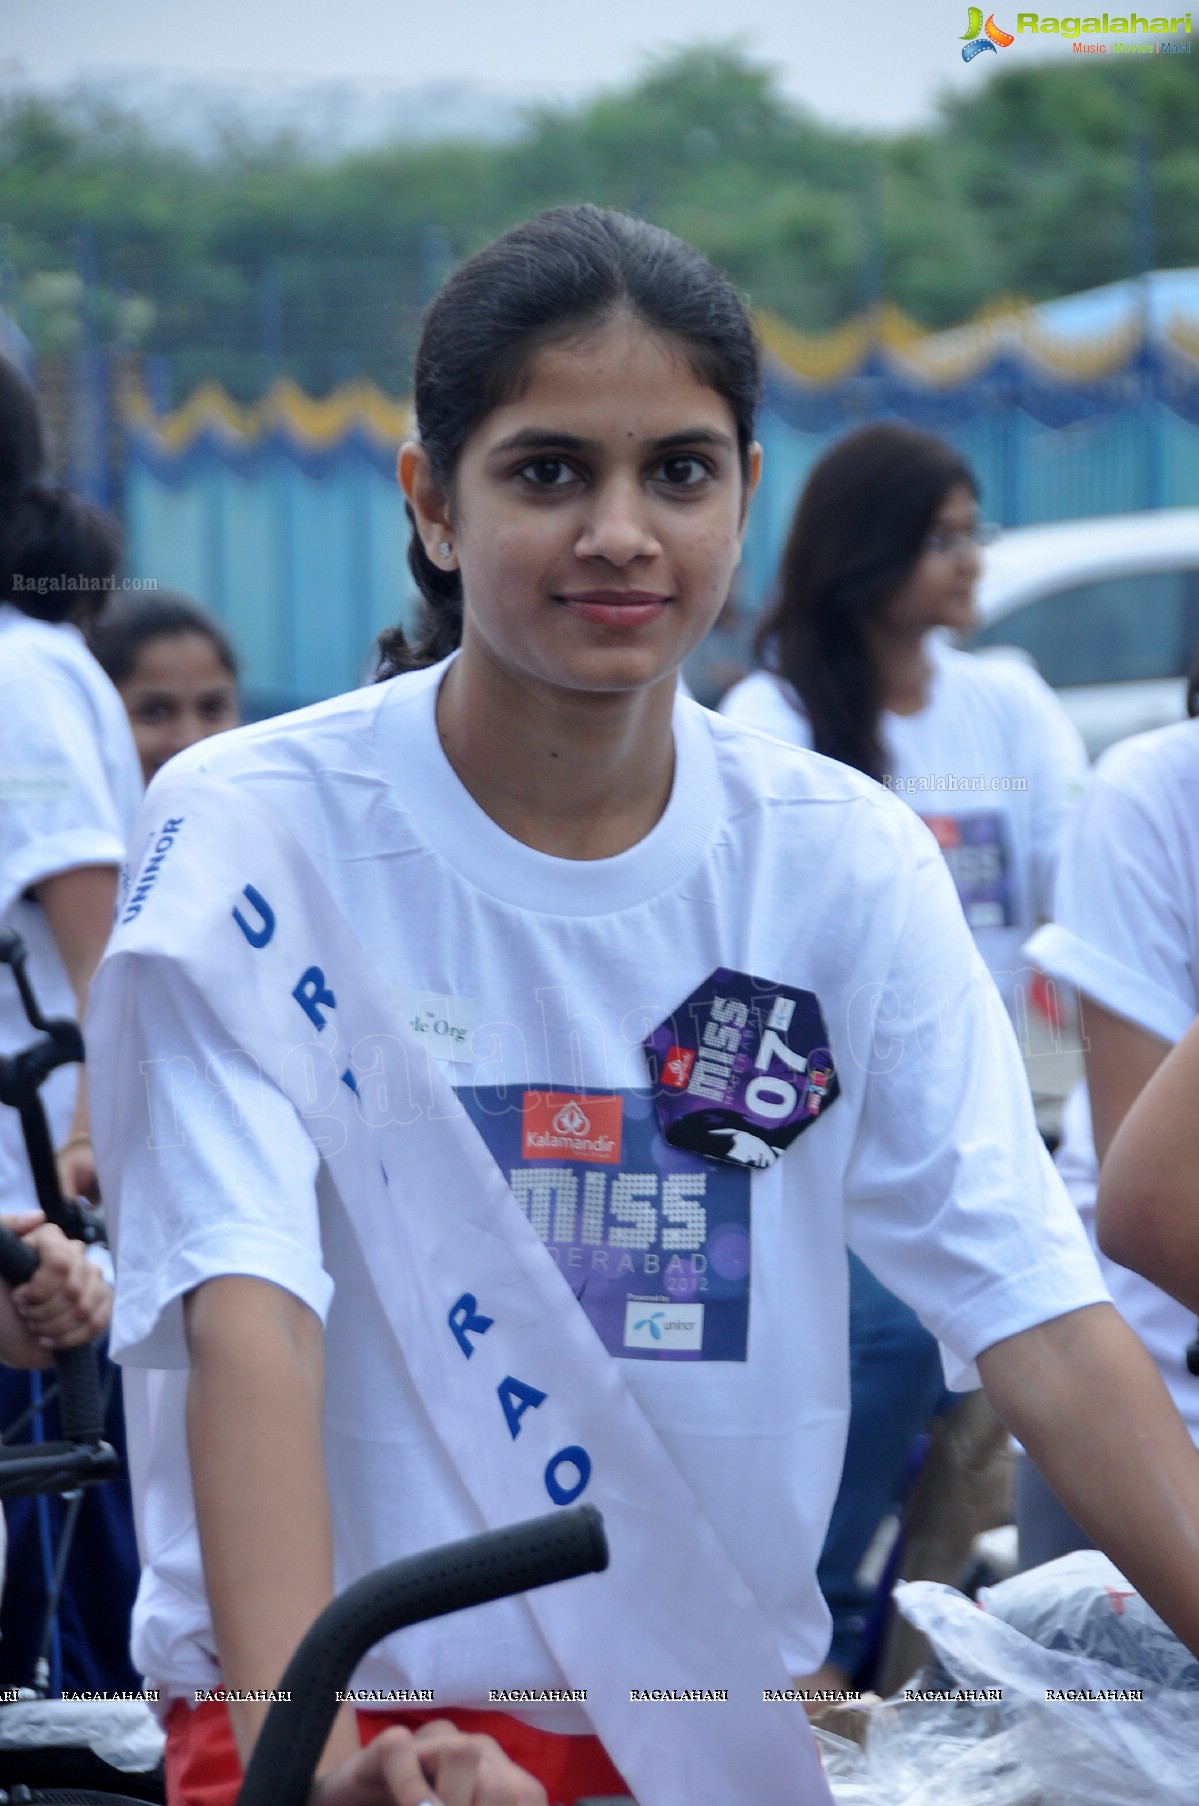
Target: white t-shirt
[70, 785]
[1126, 932]
[546, 975]
[992, 763]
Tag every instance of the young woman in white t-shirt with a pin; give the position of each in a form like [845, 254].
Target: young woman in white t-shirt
[528, 824]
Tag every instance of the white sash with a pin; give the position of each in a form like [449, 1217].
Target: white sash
[528, 1404]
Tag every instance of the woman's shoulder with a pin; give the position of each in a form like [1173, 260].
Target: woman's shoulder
[1003, 679]
[767, 702]
[1154, 767]
[331, 736]
[761, 770]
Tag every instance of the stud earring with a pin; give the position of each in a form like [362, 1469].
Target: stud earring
[445, 549]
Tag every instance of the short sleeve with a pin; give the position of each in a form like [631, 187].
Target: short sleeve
[1121, 931]
[951, 1198]
[57, 810]
[205, 1167]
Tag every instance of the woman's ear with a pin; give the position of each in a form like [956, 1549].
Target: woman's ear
[752, 480]
[430, 504]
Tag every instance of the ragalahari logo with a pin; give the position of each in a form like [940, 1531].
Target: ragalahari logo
[993, 36]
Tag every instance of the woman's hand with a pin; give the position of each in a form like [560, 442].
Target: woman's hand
[437, 1765]
[66, 1303]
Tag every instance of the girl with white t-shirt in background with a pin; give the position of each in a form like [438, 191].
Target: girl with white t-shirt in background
[590, 910]
[1125, 936]
[69, 790]
[882, 560]
[71, 785]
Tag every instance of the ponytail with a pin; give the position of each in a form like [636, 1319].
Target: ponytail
[439, 625]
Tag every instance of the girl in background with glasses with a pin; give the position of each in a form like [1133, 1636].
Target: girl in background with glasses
[878, 579]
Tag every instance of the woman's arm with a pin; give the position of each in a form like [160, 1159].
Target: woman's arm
[1121, 1058]
[1147, 1212]
[254, 1407]
[78, 906]
[1086, 1400]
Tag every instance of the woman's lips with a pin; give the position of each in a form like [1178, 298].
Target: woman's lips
[626, 608]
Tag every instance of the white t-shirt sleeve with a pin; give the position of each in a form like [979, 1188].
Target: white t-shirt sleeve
[951, 1198]
[1121, 932]
[57, 810]
[207, 1168]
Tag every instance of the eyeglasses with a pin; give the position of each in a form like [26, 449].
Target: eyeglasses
[945, 544]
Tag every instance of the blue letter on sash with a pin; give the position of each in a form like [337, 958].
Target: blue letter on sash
[516, 1399]
[566, 1495]
[311, 993]
[257, 937]
[465, 1321]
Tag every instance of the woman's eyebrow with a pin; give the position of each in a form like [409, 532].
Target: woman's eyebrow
[535, 438]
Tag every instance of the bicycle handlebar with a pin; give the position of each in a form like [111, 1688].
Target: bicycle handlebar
[83, 1456]
[535, 1553]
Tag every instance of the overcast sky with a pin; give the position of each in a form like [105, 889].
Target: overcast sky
[879, 63]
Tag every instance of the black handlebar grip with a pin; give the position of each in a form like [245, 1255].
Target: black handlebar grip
[80, 1405]
[18, 1262]
[535, 1553]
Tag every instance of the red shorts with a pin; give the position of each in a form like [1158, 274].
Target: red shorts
[203, 1769]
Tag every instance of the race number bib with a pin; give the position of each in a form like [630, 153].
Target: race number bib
[741, 1068]
[977, 852]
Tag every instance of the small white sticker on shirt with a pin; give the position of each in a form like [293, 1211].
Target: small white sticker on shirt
[35, 786]
[443, 1025]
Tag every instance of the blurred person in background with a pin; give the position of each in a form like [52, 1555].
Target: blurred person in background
[1125, 934]
[69, 789]
[881, 565]
[174, 668]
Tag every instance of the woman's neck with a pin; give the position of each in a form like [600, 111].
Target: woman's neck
[579, 775]
[906, 670]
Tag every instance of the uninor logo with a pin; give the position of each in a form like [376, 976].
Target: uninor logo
[995, 37]
[669, 1327]
[570, 1120]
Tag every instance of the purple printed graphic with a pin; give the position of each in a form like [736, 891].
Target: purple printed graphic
[741, 1068]
[975, 848]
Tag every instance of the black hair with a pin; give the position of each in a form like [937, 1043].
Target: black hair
[22, 447]
[858, 533]
[557, 274]
[59, 556]
[132, 622]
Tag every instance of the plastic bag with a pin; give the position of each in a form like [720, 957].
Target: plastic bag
[1082, 1603]
[121, 1732]
[1088, 1733]
[932, 1755]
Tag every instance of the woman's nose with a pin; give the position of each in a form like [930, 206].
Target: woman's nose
[618, 526]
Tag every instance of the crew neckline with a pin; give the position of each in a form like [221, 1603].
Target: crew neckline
[452, 823]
